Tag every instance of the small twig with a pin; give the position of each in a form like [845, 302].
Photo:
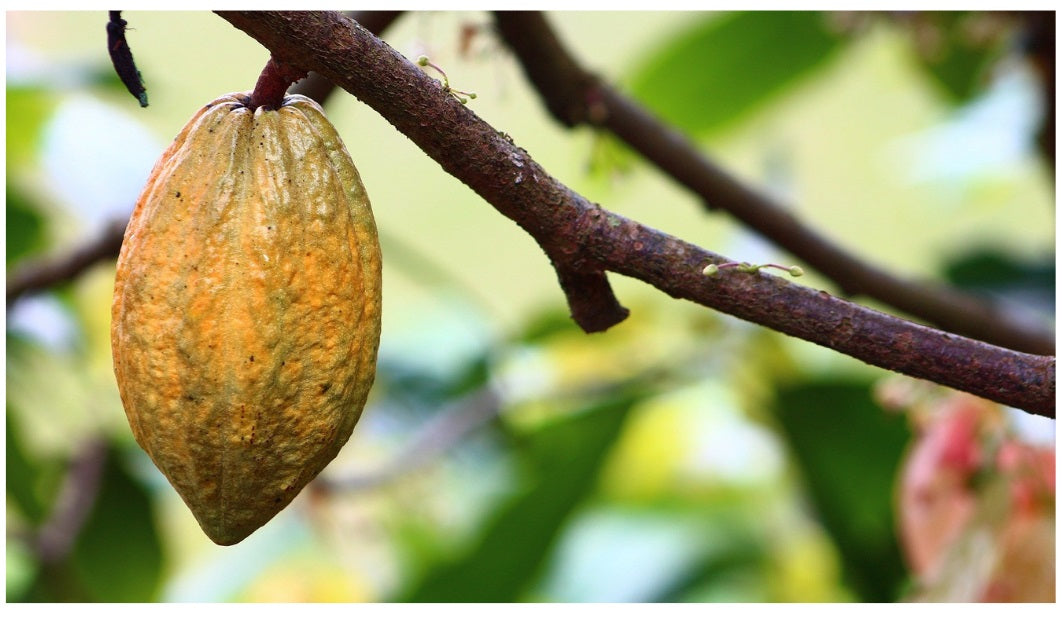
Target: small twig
[38, 275]
[273, 83]
[460, 95]
[750, 268]
[122, 58]
[592, 303]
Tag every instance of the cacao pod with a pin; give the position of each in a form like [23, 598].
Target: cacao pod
[246, 314]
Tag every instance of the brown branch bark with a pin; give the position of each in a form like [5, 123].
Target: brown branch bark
[319, 88]
[590, 240]
[274, 81]
[42, 274]
[575, 96]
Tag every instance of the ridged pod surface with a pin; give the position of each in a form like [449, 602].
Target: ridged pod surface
[246, 314]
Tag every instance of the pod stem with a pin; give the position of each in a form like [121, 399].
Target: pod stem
[273, 83]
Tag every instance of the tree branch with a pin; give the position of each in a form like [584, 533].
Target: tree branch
[589, 239]
[319, 88]
[574, 96]
[42, 274]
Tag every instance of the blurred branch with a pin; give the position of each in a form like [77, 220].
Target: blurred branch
[574, 96]
[55, 538]
[1039, 46]
[461, 418]
[437, 438]
[583, 238]
[34, 276]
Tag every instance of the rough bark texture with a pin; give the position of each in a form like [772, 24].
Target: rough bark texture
[584, 241]
[575, 96]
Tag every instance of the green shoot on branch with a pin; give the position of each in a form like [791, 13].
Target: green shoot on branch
[744, 266]
[460, 95]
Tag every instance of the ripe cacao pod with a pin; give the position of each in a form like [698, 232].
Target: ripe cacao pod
[246, 314]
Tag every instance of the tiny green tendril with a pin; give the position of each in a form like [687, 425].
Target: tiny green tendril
[750, 268]
[462, 96]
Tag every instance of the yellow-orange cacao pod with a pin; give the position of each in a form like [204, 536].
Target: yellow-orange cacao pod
[246, 315]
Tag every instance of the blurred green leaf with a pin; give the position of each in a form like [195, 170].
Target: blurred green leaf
[31, 484]
[27, 110]
[681, 549]
[609, 158]
[725, 66]
[563, 460]
[544, 324]
[995, 272]
[20, 571]
[960, 72]
[849, 451]
[742, 555]
[423, 392]
[25, 227]
[104, 77]
[118, 554]
[957, 63]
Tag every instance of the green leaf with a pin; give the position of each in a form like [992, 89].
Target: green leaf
[118, 554]
[724, 67]
[20, 571]
[31, 484]
[958, 64]
[423, 391]
[849, 451]
[25, 227]
[741, 554]
[563, 460]
[545, 324]
[995, 272]
[27, 110]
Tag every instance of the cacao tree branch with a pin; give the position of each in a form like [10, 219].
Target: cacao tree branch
[588, 238]
[41, 274]
[575, 96]
[318, 88]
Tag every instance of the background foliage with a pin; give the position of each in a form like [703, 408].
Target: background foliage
[681, 456]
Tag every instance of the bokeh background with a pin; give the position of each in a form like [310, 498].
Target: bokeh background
[504, 455]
